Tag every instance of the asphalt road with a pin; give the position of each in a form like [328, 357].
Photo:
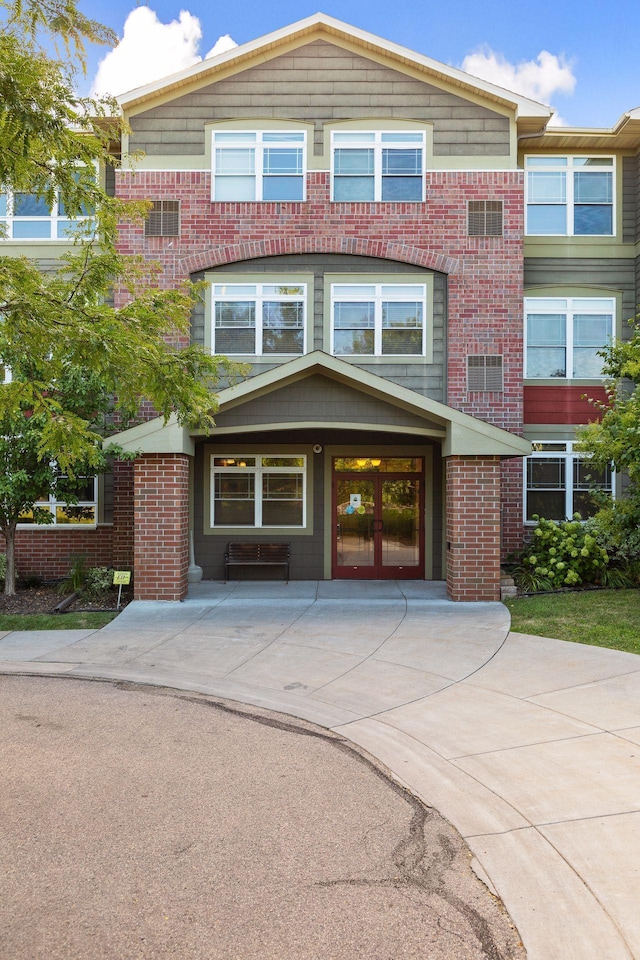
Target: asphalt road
[143, 823]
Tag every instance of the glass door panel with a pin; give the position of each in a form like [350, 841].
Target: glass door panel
[354, 523]
[400, 528]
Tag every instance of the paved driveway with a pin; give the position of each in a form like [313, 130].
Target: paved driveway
[529, 746]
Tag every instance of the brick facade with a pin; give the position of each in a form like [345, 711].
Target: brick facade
[473, 528]
[161, 517]
[47, 552]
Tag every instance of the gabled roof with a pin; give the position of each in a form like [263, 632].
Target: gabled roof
[461, 434]
[322, 26]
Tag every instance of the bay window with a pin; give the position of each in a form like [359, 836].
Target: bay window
[559, 482]
[258, 165]
[375, 166]
[570, 196]
[258, 491]
[564, 336]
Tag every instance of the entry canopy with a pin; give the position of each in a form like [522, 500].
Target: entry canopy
[460, 434]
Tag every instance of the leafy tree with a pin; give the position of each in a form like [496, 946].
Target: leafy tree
[615, 440]
[67, 347]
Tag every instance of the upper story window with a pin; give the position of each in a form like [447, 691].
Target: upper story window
[559, 482]
[262, 165]
[565, 334]
[570, 196]
[376, 166]
[258, 319]
[29, 216]
[378, 319]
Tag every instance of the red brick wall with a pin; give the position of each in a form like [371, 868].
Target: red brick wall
[161, 514]
[123, 515]
[47, 552]
[485, 274]
[473, 528]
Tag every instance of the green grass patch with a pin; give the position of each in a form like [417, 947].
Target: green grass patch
[602, 618]
[54, 621]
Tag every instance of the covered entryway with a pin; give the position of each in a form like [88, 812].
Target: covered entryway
[378, 508]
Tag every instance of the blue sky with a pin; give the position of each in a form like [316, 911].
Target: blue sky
[591, 77]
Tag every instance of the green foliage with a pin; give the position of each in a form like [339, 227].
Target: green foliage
[77, 576]
[561, 555]
[3, 567]
[99, 580]
[69, 348]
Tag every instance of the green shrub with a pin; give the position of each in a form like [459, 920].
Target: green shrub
[3, 567]
[560, 555]
[98, 581]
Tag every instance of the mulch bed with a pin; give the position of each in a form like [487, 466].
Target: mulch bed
[44, 599]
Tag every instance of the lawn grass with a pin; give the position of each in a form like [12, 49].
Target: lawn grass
[602, 618]
[54, 621]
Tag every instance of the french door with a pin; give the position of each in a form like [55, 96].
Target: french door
[378, 525]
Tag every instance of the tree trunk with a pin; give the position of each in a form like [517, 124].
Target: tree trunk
[9, 533]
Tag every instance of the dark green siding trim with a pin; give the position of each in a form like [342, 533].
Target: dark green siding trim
[315, 84]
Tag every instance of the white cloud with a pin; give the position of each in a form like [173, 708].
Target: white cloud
[222, 45]
[538, 79]
[150, 50]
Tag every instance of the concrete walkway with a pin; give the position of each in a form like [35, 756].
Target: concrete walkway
[529, 746]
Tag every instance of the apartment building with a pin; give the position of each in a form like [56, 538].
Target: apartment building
[418, 274]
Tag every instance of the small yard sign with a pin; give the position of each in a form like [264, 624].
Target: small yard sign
[121, 578]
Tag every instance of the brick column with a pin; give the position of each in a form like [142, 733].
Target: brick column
[473, 528]
[161, 536]
[123, 515]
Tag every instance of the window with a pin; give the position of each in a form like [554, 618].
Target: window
[28, 216]
[378, 319]
[370, 166]
[565, 334]
[569, 196]
[559, 482]
[84, 512]
[484, 373]
[259, 319]
[258, 491]
[484, 218]
[265, 165]
[163, 219]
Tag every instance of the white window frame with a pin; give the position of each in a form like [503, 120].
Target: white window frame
[259, 142]
[380, 296]
[359, 139]
[260, 297]
[569, 166]
[55, 220]
[570, 306]
[561, 450]
[258, 470]
[52, 504]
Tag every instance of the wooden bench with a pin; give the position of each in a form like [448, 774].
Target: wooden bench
[256, 554]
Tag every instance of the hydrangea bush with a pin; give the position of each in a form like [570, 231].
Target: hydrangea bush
[560, 554]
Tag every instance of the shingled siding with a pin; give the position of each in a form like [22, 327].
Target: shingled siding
[610, 274]
[317, 83]
[429, 380]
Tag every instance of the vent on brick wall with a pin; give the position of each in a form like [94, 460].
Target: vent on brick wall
[485, 218]
[484, 373]
[163, 219]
